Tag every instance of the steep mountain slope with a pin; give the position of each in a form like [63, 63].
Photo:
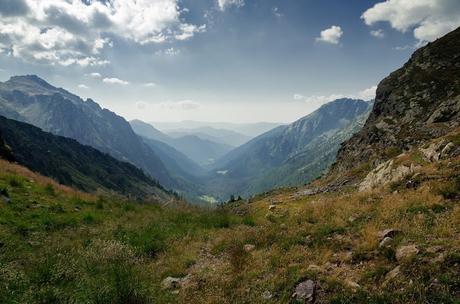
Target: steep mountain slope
[418, 102]
[202, 151]
[290, 155]
[223, 136]
[33, 100]
[71, 163]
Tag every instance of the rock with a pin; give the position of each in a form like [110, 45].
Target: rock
[386, 242]
[267, 295]
[5, 199]
[175, 283]
[314, 268]
[272, 207]
[435, 151]
[249, 247]
[391, 233]
[351, 219]
[171, 283]
[392, 274]
[446, 150]
[386, 173]
[305, 291]
[406, 252]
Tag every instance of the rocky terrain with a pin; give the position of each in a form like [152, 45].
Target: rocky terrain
[414, 104]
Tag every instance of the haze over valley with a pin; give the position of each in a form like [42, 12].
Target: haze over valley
[229, 151]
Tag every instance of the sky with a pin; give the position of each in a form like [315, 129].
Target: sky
[217, 60]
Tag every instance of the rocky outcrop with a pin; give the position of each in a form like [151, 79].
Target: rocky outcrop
[386, 173]
[416, 103]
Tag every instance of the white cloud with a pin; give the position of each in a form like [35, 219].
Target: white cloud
[115, 81]
[180, 105]
[82, 86]
[331, 35]
[378, 33]
[276, 12]
[223, 4]
[168, 52]
[150, 84]
[95, 75]
[68, 32]
[366, 94]
[429, 19]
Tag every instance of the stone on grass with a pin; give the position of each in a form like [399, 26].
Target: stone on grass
[249, 247]
[386, 242]
[391, 232]
[305, 291]
[406, 252]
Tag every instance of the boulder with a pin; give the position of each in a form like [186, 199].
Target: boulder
[391, 233]
[175, 283]
[386, 242]
[447, 150]
[305, 291]
[272, 207]
[386, 173]
[406, 252]
[171, 283]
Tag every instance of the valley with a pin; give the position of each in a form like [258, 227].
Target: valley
[356, 201]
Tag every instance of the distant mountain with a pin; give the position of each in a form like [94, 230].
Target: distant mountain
[202, 151]
[222, 136]
[32, 100]
[71, 163]
[414, 104]
[248, 129]
[289, 155]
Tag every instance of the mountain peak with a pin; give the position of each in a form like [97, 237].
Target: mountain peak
[31, 80]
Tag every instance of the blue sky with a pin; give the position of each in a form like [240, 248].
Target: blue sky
[216, 60]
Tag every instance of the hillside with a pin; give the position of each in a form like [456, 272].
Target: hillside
[73, 164]
[32, 100]
[395, 244]
[289, 155]
[416, 103]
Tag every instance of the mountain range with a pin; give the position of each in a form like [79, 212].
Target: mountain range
[197, 162]
[289, 155]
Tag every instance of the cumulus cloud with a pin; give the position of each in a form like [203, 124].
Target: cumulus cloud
[428, 19]
[67, 32]
[223, 4]
[83, 86]
[331, 35]
[115, 81]
[150, 84]
[367, 94]
[378, 33]
[180, 105]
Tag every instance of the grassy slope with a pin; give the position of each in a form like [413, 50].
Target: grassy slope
[113, 251]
